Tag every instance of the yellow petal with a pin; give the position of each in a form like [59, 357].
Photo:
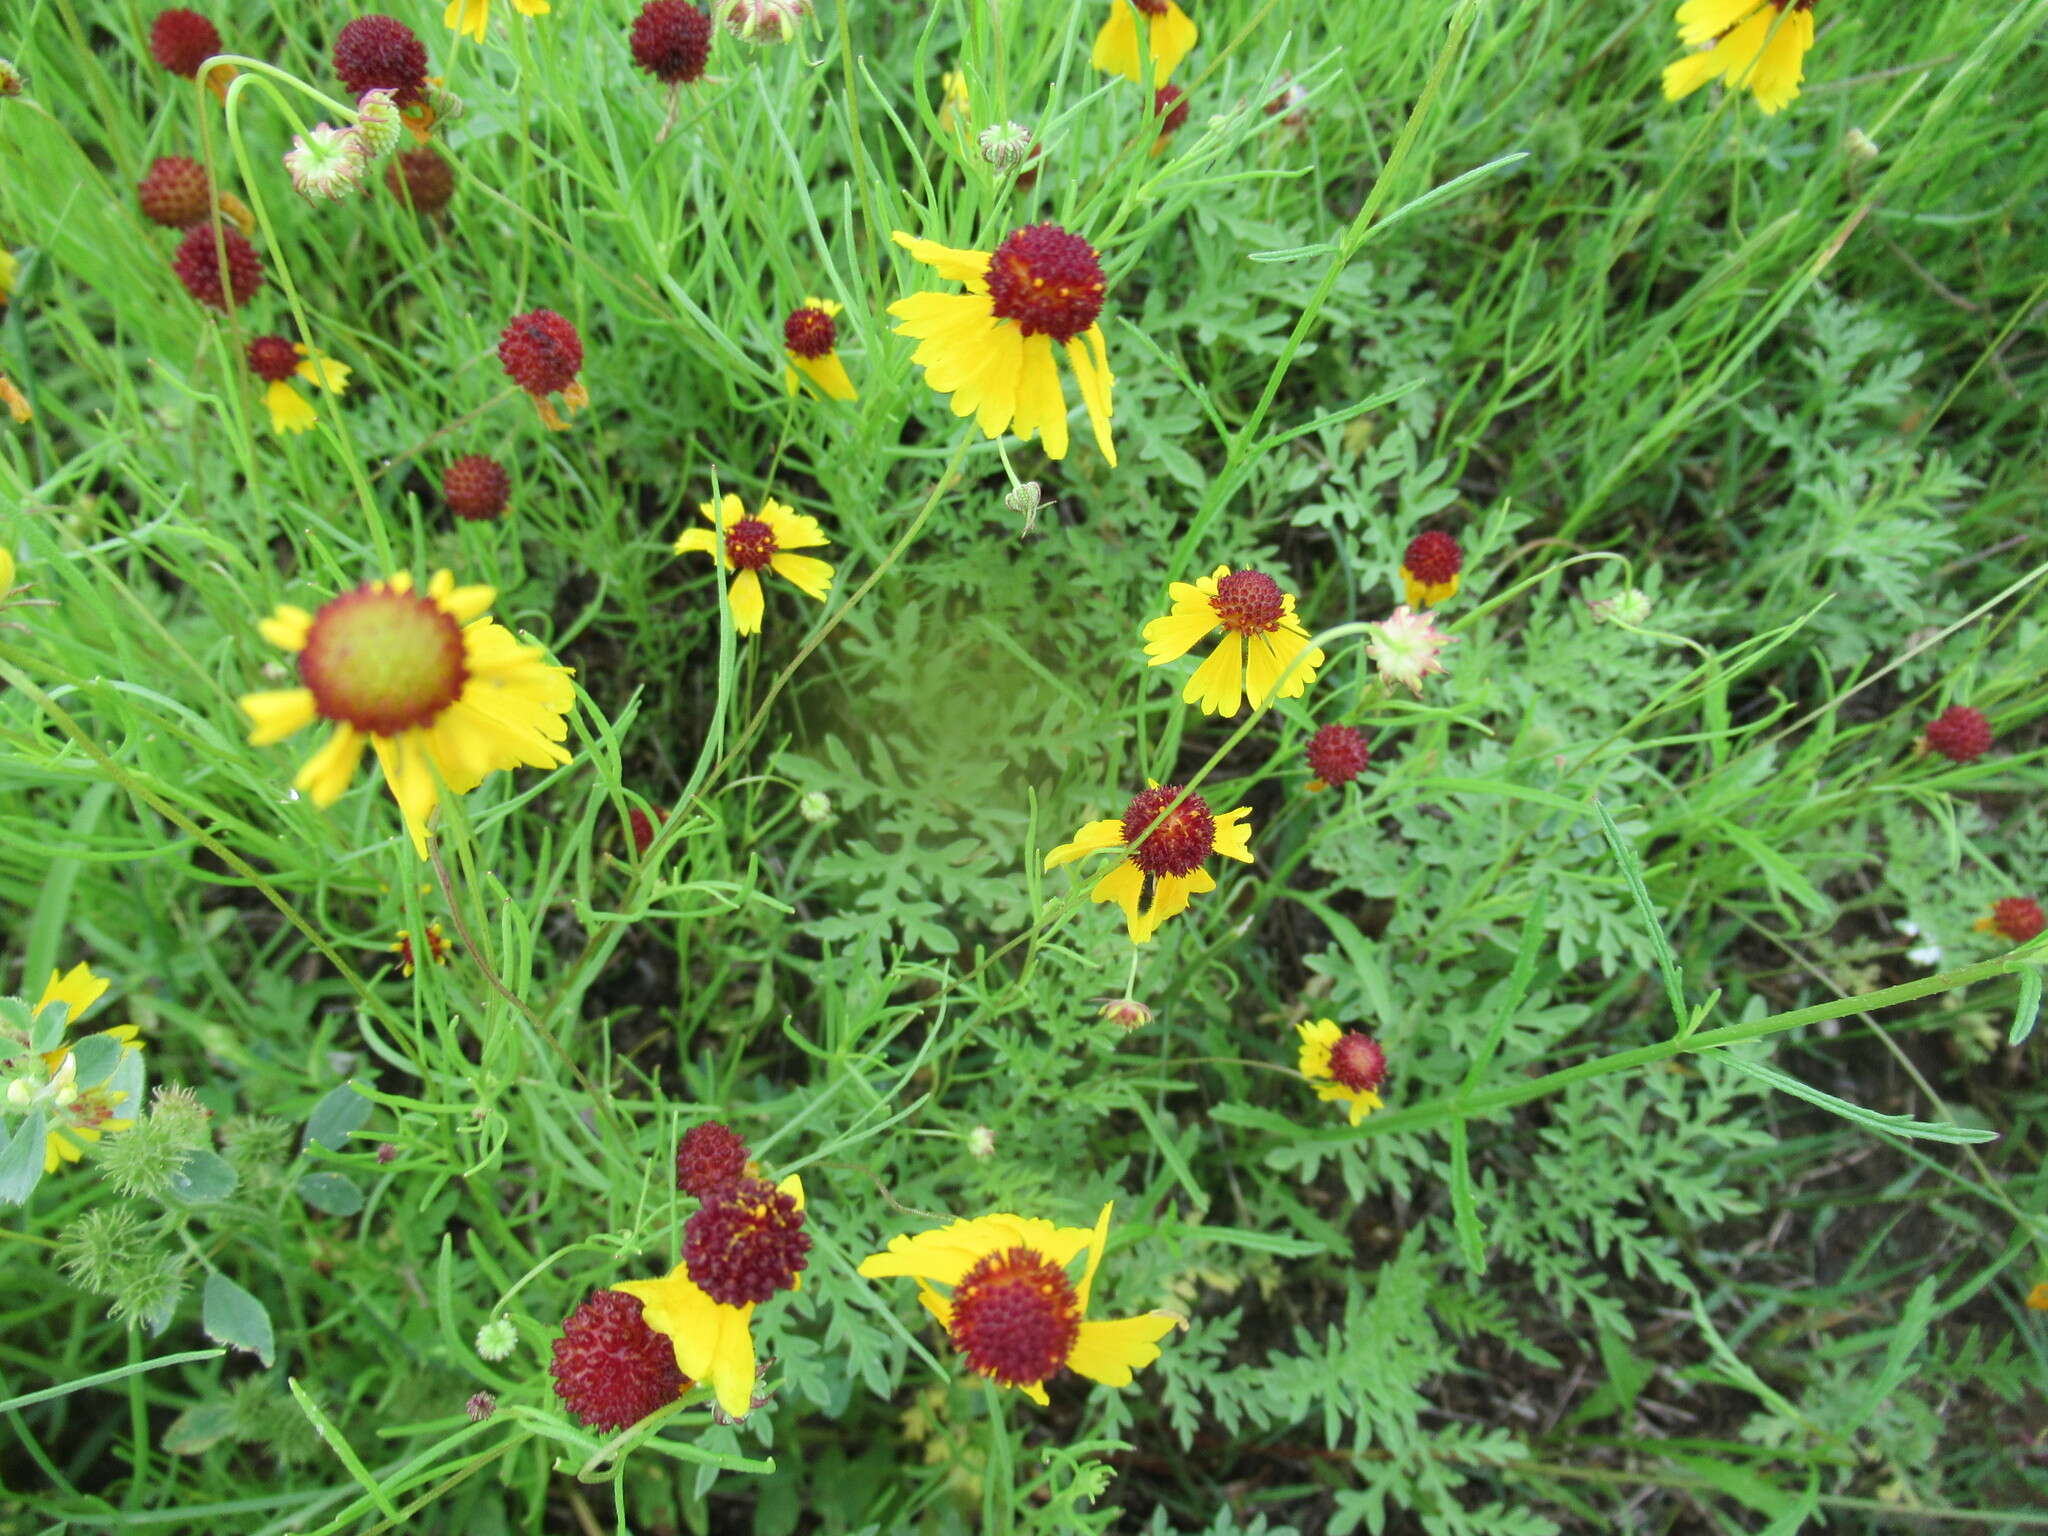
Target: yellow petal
[1125, 885]
[1173, 38]
[812, 577]
[1092, 838]
[471, 16]
[792, 529]
[943, 1255]
[828, 373]
[410, 781]
[697, 541]
[322, 371]
[713, 1343]
[1041, 403]
[287, 628]
[530, 7]
[1268, 658]
[1218, 683]
[1170, 895]
[1097, 1241]
[1110, 1350]
[276, 715]
[747, 604]
[969, 267]
[1096, 383]
[1774, 80]
[326, 773]
[289, 410]
[1234, 834]
[1701, 21]
[78, 988]
[1172, 637]
[1316, 1041]
[1116, 45]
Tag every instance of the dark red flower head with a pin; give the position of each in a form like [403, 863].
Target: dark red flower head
[541, 351]
[1015, 1316]
[475, 487]
[610, 1368]
[1170, 106]
[2017, 918]
[746, 1242]
[1337, 754]
[1433, 558]
[1249, 603]
[643, 827]
[710, 1157]
[273, 359]
[1358, 1063]
[175, 192]
[421, 175]
[810, 333]
[671, 40]
[1960, 733]
[1047, 280]
[182, 40]
[381, 53]
[1178, 840]
[198, 266]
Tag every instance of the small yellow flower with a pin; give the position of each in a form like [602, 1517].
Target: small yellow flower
[1756, 45]
[808, 338]
[278, 360]
[438, 948]
[78, 988]
[78, 1117]
[954, 102]
[441, 693]
[754, 543]
[1167, 849]
[2037, 1298]
[991, 348]
[1345, 1065]
[1010, 1307]
[474, 16]
[1121, 44]
[714, 1342]
[1261, 639]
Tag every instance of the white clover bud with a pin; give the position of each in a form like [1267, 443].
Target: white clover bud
[1006, 145]
[763, 21]
[815, 806]
[377, 124]
[497, 1339]
[327, 162]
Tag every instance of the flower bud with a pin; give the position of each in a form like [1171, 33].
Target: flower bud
[763, 21]
[326, 162]
[1006, 145]
[497, 1339]
[377, 125]
[12, 81]
[815, 806]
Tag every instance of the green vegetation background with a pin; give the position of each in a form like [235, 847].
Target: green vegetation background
[1608, 896]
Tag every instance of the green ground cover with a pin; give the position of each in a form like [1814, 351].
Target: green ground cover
[1703, 1190]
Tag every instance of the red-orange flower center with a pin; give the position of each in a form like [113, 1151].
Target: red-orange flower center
[2018, 918]
[1179, 840]
[383, 661]
[1433, 557]
[1046, 280]
[1151, 7]
[273, 358]
[750, 543]
[1358, 1063]
[1249, 603]
[1015, 1317]
[810, 333]
[746, 1242]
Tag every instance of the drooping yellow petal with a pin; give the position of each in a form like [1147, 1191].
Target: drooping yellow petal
[969, 267]
[1701, 21]
[714, 1343]
[1041, 403]
[1098, 1240]
[943, 1255]
[1174, 36]
[276, 715]
[697, 541]
[1218, 684]
[1427, 594]
[530, 7]
[1092, 838]
[1096, 383]
[1774, 80]
[322, 371]
[410, 781]
[1125, 885]
[828, 373]
[1172, 637]
[1116, 45]
[747, 604]
[1316, 1041]
[1731, 56]
[792, 529]
[290, 411]
[471, 16]
[809, 575]
[287, 627]
[1270, 656]
[77, 988]
[1110, 1350]
[1170, 895]
[325, 775]
[1234, 834]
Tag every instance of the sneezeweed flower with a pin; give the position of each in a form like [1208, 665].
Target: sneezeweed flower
[1405, 647]
[1010, 1307]
[713, 1341]
[1346, 1066]
[541, 353]
[481, 1406]
[747, 1241]
[1337, 754]
[381, 53]
[1164, 854]
[439, 950]
[1959, 733]
[182, 40]
[671, 40]
[1429, 570]
[1136, 27]
[199, 264]
[710, 1156]
[1126, 1013]
[175, 192]
[1756, 45]
[763, 21]
[422, 177]
[441, 693]
[1170, 111]
[474, 16]
[757, 542]
[2015, 919]
[610, 1369]
[1262, 638]
[277, 360]
[327, 163]
[991, 348]
[476, 488]
[808, 338]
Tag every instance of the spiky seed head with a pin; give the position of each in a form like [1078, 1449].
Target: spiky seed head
[326, 163]
[175, 192]
[198, 263]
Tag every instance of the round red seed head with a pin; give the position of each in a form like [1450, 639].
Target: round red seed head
[475, 487]
[541, 352]
[2018, 918]
[381, 53]
[642, 826]
[421, 176]
[182, 40]
[1337, 754]
[810, 333]
[273, 359]
[610, 1369]
[745, 1243]
[198, 266]
[1015, 1316]
[1046, 280]
[1433, 558]
[175, 192]
[1170, 106]
[671, 40]
[711, 1155]
[383, 661]
[1960, 733]
[1180, 839]
[1248, 603]
[1358, 1063]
